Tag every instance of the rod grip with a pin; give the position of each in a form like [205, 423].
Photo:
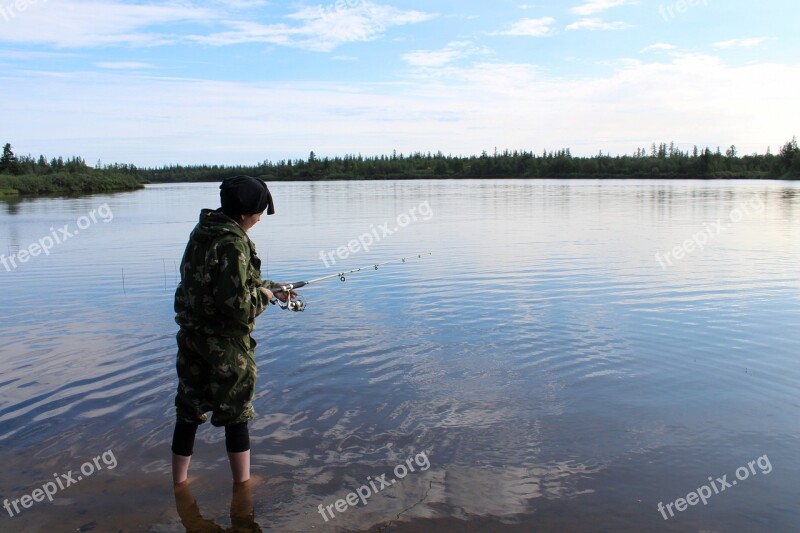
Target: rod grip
[282, 288]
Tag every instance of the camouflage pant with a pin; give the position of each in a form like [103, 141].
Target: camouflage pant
[215, 374]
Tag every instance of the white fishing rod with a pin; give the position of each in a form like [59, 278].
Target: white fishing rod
[299, 304]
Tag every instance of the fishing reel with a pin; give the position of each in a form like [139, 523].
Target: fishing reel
[297, 305]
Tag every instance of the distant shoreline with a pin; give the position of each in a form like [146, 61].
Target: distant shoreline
[65, 184]
[661, 162]
[28, 176]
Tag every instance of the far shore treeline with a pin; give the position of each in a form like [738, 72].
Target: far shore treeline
[26, 175]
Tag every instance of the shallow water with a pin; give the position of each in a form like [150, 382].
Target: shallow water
[554, 373]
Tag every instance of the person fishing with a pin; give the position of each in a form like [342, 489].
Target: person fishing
[219, 296]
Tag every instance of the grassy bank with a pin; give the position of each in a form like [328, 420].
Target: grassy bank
[67, 183]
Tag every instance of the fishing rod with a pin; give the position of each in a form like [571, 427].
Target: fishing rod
[299, 304]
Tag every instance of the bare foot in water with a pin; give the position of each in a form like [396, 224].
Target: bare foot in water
[190, 480]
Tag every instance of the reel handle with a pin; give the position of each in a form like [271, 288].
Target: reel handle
[297, 305]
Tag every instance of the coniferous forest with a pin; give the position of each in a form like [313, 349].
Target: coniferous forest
[29, 175]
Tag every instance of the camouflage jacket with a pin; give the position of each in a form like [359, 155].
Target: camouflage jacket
[220, 275]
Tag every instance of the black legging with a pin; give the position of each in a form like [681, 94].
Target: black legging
[237, 438]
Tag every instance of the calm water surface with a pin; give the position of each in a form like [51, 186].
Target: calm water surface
[556, 375]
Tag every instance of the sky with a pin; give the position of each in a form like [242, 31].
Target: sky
[244, 81]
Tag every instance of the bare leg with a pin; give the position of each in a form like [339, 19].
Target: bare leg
[240, 466]
[180, 468]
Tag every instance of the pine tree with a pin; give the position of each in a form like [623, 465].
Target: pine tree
[789, 158]
[8, 162]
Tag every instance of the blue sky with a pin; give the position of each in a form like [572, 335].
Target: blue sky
[241, 81]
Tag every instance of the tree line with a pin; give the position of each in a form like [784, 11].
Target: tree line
[25, 175]
[663, 161]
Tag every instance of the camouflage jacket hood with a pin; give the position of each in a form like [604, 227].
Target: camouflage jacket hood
[214, 224]
[220, 275]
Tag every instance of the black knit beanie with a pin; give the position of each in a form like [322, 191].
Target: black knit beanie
[245, 195]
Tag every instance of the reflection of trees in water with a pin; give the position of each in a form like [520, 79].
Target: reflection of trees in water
[9, 205]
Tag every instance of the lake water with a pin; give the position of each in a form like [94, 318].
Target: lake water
[548, 367]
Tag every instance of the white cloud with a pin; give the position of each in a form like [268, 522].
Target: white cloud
[660, 47]
[123, 65]
[597, 6]
[25, 55]
[430, 59]
[74, 24]
[490, 77]
[243, 4]
[596, 24]
[319, 28]
[541, 27]
[463, 110]
[77, 24]
[741, 43]
[439, 58]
